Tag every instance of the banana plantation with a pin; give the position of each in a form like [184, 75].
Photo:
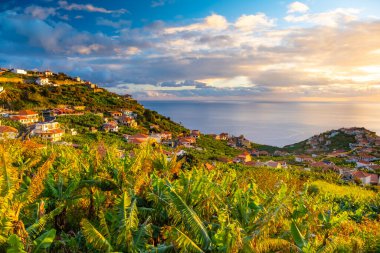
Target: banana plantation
[94, 199]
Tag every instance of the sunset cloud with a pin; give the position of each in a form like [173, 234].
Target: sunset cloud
[330, 54]
[297, 7]
[87, 7]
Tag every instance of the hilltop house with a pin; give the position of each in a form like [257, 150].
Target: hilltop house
[128, 121]
[48, 73]
[195, 133]
[116, 114]
[19, 71]
[137, 138]
[25, 117]
[7, 132]
[166, 135]
[186, 141]
[50, 131]
[243, 158]
[42, 81]
[129, 113]
[110, 126]
[224, 136]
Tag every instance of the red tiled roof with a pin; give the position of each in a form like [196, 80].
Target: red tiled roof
[27, 112]
[17, 117]
[8, 129]
[360, 174]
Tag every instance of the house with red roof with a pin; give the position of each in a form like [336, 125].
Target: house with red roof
[7, 132]
[137, 138]
[186, 141]
[26, 117]
[49, 131]
[111, 126]
[48, 73]
[243, 158]
[224, 136]
[366, 178]
[128, 121]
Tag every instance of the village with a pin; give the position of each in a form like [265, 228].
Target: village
[358, 163]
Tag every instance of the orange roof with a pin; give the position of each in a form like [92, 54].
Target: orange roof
[53, 131]
[360, 174]
[27, 112]
[140, 136]
[8, 129]
[17, 117]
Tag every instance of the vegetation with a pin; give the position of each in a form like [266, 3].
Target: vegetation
[211, 149]
[18, 96]
[81, 122]
[7, 122]
[61, 199]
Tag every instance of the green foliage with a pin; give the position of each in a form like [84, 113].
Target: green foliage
[212, 149]
[7, 122]
[15, 245]
[61, 199]
[81, 121]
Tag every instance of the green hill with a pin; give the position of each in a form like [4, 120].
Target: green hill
[21, 95]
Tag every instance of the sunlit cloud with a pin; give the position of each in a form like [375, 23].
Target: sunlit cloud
[333, 54]
[297, 7]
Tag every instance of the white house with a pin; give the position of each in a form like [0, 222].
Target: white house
[19, 71]
[50, 131]
[363, 164]
[42, 81]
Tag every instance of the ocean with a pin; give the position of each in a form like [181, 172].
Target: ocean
[271, 123]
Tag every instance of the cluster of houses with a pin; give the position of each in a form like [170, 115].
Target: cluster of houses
[50, 131]
[232, 141]
[123, 117]
[93, 87]
[363, 138]
[165, 138]
[348, 174]
[43, 78]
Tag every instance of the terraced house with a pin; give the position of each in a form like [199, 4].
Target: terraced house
[49, 131]
[26, 117]
[7, 132]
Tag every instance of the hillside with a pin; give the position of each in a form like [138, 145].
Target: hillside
[340, 139]
[25, 95]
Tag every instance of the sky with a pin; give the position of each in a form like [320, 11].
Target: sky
[311, 50]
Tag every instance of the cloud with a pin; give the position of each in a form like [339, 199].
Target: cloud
[88, 7]
[331, 18]
[213, 21]
[159, 3]
[40, 12]
[250, 57]
[297, 7]
[254, 22]
[185, 83]
[115, 24]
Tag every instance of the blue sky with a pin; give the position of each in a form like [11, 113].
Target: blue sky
[182, 49]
